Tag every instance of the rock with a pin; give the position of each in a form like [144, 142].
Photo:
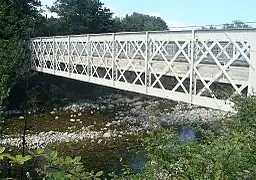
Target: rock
[107, 135]
[99, 141]
[79, 114]
[108, 124]
[54, 109]
[119, 136]
[52, 112]
[21, 117]
[78, 120]
[71, 115]
[74, 116]
[72, 120]
[91, 112]
[94, 123]
[133, 111]
[103, 107]
[111, 106]
[56, 117]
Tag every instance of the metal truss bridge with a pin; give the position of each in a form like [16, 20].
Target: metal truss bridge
[202, 67]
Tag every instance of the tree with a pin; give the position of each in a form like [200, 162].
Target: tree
[81, 16]
[17, 20]
[236, 24]
[141, 22]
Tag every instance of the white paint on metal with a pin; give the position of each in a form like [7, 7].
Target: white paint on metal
[142, 62]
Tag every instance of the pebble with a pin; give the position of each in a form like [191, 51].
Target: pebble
[21, 117]
[52, 112]
[137, 119]
[107, 135]
[108, 124]
[56, 117]
[72, 120]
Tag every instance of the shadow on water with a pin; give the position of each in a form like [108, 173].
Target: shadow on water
[187, 134]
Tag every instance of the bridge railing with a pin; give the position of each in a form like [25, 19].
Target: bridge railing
[190, 66]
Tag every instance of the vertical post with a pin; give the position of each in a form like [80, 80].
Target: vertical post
[191, 68]
[69, 67]
[195, 59]
[53, 54]
[113, 60]
[41, 54]
[88, 58]
[146, 63]
[252, 67]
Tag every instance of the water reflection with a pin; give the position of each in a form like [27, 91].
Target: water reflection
[187, 134]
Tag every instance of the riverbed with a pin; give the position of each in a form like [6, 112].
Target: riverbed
[106, 131]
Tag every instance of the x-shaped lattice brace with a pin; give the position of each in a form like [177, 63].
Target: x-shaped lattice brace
[62, 55]
[107, 44]
[48, 54]
[223, 68]
[130, 64]
[35, 48]
[159, 49]
[227, 65]
[76, 53]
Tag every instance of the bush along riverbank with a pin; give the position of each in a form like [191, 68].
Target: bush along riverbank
[224, 150]
[142, 138]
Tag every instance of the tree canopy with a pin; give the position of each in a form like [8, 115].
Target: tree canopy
[81, 16]
[17, 21]
[236, 24]
[140, 22]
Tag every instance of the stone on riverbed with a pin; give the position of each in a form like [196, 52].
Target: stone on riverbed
[72, 120]
[107, 135]
[79, 114]
[52, 112]
[21, 117]
[108, 124]
[56, 117]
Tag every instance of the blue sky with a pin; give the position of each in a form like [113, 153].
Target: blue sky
[186, 12]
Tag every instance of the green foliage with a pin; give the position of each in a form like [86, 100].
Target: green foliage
[17, 19]
[18, 159]
[80, 16]
[140, 22]
[225, 150]
[52, 166]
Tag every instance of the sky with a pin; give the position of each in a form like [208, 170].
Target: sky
[179, 13]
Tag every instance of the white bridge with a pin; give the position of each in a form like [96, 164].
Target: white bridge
[203, 67]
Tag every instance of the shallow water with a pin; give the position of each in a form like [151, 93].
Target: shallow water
[101, 154]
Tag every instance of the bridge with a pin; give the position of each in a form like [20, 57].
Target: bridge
[202, 67]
